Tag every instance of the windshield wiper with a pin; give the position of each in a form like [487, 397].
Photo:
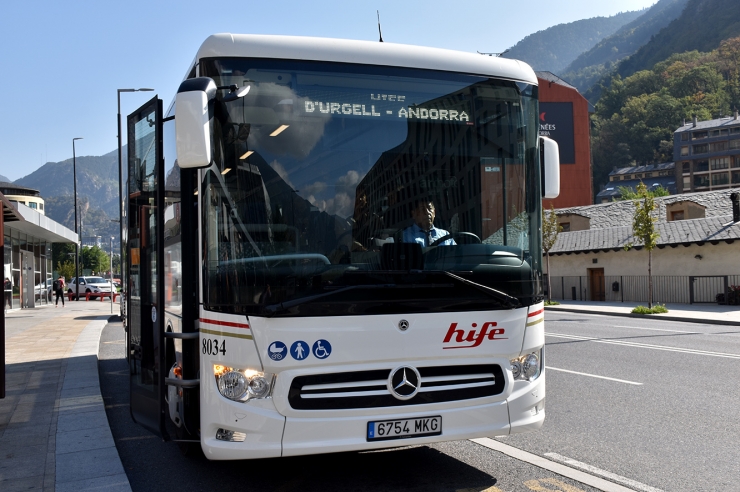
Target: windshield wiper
[507, 300]
[273, 309]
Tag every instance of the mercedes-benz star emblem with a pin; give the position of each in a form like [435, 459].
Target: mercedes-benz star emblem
[403, 325]
[404, 382]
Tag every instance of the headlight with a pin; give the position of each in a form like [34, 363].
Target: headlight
[527, 367]
[243, 384]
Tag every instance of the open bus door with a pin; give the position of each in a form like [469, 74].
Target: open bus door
[145, 308]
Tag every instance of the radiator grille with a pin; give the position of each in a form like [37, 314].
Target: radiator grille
[367, 389]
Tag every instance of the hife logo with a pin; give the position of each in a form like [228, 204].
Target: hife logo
[474, 337]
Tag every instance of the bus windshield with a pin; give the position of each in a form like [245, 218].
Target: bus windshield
[353, 189]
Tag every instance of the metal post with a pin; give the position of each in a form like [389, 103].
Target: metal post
[111, 275]
[77, 241]
[621, 282]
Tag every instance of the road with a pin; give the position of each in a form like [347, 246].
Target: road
[647, 405]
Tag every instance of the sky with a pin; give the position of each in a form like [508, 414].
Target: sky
[62, 62]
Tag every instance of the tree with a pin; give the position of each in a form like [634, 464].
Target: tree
[66, 269]
[95, 259]
[627, 193]
[643, 230]
[550, 231]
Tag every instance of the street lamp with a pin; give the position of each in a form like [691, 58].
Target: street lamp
[77, 242]
[120, 174]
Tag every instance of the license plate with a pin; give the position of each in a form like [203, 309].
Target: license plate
[405, 428]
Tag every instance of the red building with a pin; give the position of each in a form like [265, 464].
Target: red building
[564, 117]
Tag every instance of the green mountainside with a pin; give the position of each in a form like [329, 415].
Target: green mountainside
[555, 48]
[636, 116]
[591, 65]
[702, 26]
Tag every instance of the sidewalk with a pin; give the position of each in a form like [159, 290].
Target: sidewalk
[54, 433]
[691, 313]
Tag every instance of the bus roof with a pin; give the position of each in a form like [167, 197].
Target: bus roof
[363, 52]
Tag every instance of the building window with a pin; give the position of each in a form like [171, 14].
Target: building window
[699, 135]
[719, 179]
[718, 147]
[701, 149]
[700, 166]
[735, 144]
[565, 227]
[684, 137]
[685, 150]
[720, 163]
[41, 206]
[677, 215]
[701, 181]
[663, 173]
[736, 161]
[735, 177]
[32, 205]
[687, 183]
[735, 129]
[686, 167]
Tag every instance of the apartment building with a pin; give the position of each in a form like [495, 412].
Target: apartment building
[707, 154]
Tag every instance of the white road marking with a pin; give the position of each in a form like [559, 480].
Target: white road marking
[644, 345]
[550, 368]
[661, 329]
[611, 476]
[566, 471]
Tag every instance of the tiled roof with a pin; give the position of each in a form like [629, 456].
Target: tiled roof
[611, 223]
[706, 125]
[642, 169]
[612, 189]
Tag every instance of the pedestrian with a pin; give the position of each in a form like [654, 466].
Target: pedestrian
[59, 290]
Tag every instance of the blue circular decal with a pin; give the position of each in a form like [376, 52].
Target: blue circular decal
[299, 350]
[277, 351]
[321, 349]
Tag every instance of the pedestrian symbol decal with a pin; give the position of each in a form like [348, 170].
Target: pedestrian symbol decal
[277, 351]
[299, 350]
[321, 349]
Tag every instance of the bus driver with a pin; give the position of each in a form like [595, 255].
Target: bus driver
[422, 231]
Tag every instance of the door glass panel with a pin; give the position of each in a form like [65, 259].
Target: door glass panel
[144, 304]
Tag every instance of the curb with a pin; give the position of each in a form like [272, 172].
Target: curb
[85, 454]
[659, 317]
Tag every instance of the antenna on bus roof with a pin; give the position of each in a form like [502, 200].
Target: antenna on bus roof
[379, 31]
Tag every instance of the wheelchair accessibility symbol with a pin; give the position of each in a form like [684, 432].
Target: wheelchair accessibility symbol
[321, 349]
[277, 351]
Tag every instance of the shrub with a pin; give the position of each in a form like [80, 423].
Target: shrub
[658, 308]
[552, 303]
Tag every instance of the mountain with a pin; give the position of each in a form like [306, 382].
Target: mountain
[4, 179]
[702, 25]
[97, 193]
[588, 68]
[555, 48]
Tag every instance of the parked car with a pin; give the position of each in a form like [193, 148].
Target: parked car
[91, 285]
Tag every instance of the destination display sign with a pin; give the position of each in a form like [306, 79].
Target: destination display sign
[386, 106]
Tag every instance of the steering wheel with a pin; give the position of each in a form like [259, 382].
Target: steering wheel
[465, 237]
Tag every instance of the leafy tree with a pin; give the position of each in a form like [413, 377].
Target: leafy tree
[550, 231]
[95, 259]
[627, 193]
[66, 269]
[643, 230]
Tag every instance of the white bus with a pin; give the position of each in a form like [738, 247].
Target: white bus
[335, 245]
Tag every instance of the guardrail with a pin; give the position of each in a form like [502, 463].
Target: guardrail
[88, 295]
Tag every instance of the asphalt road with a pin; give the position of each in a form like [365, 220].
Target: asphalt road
[661, 415]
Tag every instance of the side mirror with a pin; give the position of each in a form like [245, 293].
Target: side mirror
[193, 113]
[550, 162]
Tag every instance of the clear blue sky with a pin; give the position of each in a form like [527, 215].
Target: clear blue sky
[63, 61]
